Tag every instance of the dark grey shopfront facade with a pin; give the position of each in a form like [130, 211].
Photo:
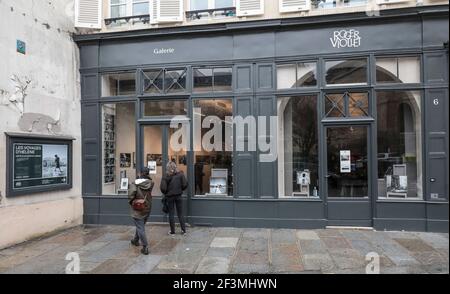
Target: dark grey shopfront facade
[256, 53]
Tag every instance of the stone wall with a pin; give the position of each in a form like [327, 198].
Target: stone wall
[39, 94]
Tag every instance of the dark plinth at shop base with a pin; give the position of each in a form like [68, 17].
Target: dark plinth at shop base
[253, 50]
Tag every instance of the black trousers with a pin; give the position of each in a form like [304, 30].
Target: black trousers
[175, 202]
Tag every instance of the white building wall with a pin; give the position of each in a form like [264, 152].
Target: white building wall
[48, 72]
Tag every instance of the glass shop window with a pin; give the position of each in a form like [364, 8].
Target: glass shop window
[298, 159]
[165, 108]
[218, 79]
[118, 84]
[399, 144]
[340, 105]
[118, 147]
[297, 75]
[346, 72]
[212, 152]
[164, 81]
[398, 70]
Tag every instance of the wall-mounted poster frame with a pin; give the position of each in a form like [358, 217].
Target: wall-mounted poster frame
[37, 163]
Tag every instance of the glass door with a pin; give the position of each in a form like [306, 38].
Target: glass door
[154, 153]
[159, 145]
[347, 174]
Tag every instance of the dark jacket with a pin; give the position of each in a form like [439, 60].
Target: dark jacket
[138, 190]
[173, 185]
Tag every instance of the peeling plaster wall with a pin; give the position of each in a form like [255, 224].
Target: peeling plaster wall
[53, 93]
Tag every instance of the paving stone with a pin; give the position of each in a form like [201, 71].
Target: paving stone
[108, 251]
[283, 236]
[329, 233]
[257, 244]
[312, 247]
[414, 245]
[429, 257]
[158, 271]
[348, 259]
[256, 233]
[92, 246]
[164, 247]
[252, 257]
[335, 243]
[241, 268]
[314, 262]
[229, 232]
[144, 264]
[437, 268]
[398, 255]
[220, 252]
[307, 235]
[109, 237]
[223, 242]
[353, 234]
[87, 266]
[363, 246]
[403, 270]
[438, 241]
[113, 266]
[286, 254]
[213, 265]
[287, 268]
[401, 235]
[187, 259]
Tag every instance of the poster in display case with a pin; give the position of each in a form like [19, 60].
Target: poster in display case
[38, 163]
[218, 182]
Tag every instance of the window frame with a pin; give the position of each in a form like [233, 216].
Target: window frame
[342, 59]
[214, 92]
[397, 57]
[296, 63]
[211, 5]
[129, 5]
[193, 151]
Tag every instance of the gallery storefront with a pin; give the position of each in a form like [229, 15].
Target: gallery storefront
[360, 106]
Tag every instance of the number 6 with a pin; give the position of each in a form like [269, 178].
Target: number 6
[436, 101]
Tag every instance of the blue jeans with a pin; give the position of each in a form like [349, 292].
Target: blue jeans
[140, 231]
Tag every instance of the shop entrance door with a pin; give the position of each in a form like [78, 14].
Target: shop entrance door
[348, 175]
[157, 151]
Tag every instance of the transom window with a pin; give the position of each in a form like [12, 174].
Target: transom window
[164, 81]
[398, 69]
[346, 104]
[207, 79]
[297, 75]
[346, 72]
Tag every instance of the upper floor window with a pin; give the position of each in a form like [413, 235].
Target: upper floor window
[123, 8]
[210, 8]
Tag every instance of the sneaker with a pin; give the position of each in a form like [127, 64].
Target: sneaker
[135, 242]
[171, 233]
[144, 250]
[183, 232]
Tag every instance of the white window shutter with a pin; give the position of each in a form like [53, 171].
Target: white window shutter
[170, 10]
[88, 14]
[154, 11]
[294, 5]
[249, 7]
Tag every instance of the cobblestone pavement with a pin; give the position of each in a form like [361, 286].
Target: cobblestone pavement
[107, 249]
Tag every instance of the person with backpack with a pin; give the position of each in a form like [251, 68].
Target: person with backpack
[172, 186]
[140, 200]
